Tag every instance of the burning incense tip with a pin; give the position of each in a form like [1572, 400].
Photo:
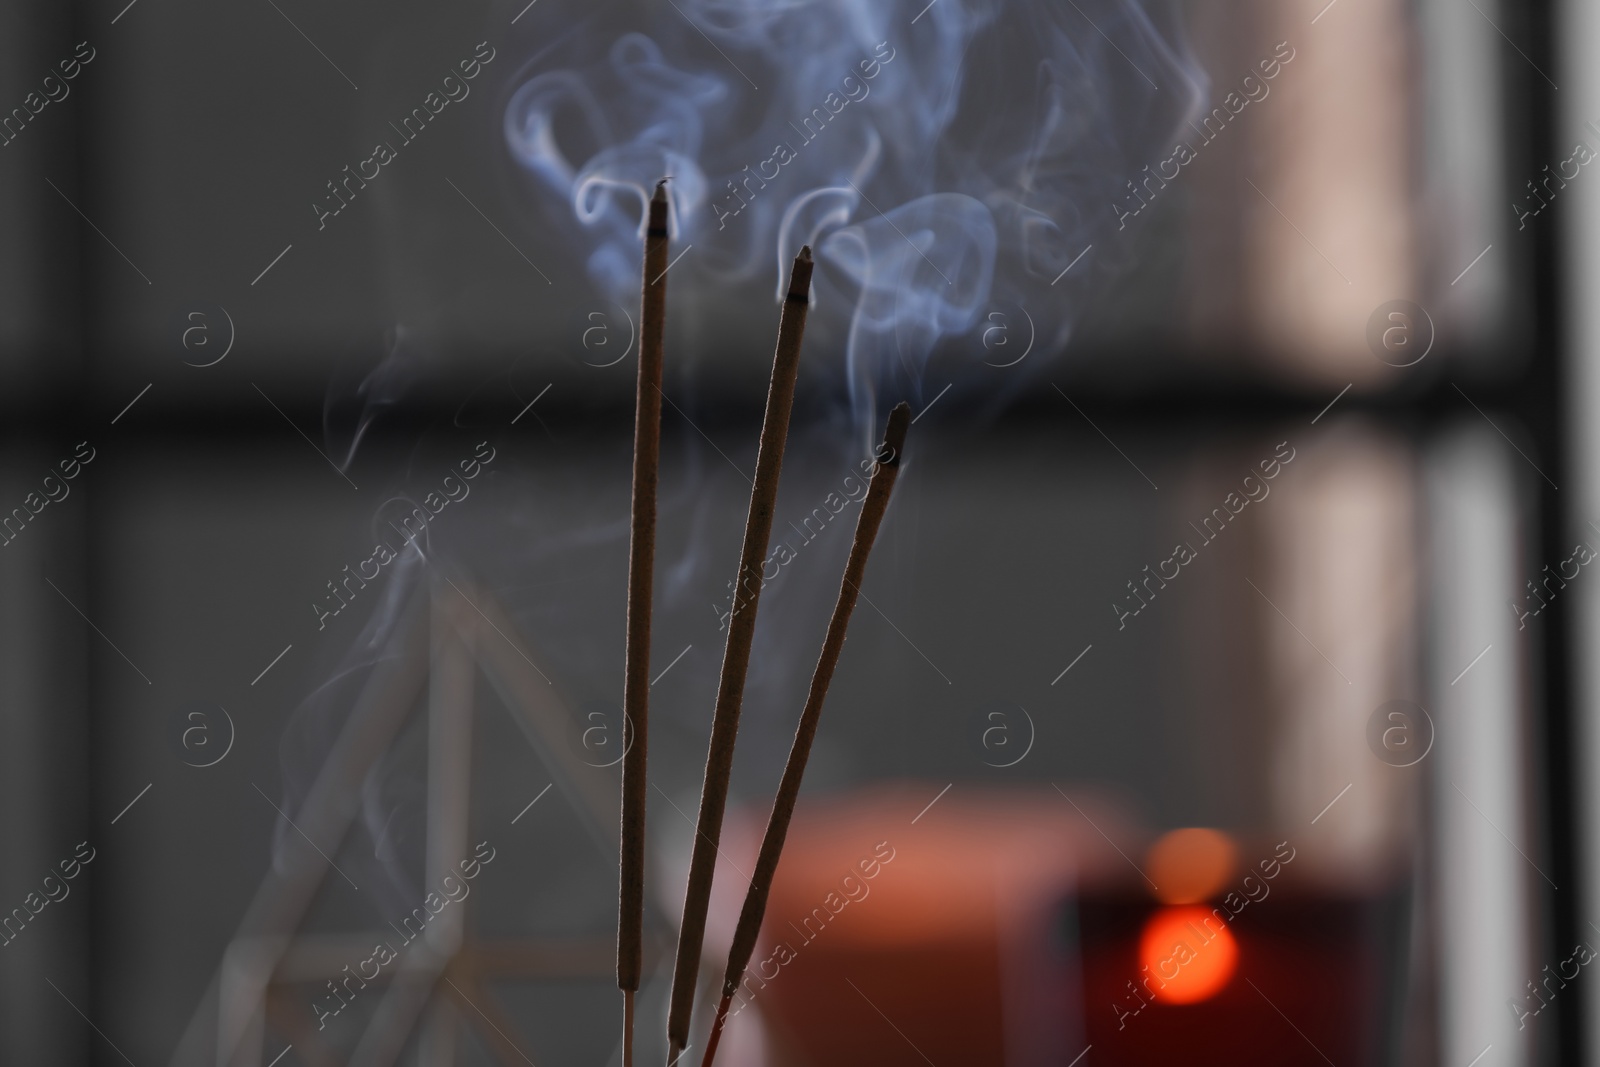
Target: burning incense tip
[658, 209]
[800, 276]
[894, 435]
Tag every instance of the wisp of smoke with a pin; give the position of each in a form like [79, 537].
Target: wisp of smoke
[944, 160]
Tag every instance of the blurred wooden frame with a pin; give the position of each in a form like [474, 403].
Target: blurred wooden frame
[447, 630]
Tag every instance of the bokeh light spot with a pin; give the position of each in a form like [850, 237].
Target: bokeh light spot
[1191, 865]
[1189, 959]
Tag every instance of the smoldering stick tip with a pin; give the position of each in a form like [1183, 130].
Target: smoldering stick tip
[894, 436]
[658, 209]
[800, 276]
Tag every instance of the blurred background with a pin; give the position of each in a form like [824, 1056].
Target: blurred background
[1222, 688]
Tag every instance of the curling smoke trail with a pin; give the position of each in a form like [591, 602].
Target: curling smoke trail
[944, 160]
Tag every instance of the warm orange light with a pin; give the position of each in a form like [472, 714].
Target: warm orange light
[1187, 959]
[1191, 865]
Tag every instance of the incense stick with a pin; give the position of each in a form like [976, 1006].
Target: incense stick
[641, 568]
[873, 508]
[736, 656]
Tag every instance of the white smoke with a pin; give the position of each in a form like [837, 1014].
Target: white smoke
[943, 160]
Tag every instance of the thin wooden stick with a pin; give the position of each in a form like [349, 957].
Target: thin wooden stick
[716, 1026]
[641, 569]
[736, 656]
[873, 508]
[627, 1027]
